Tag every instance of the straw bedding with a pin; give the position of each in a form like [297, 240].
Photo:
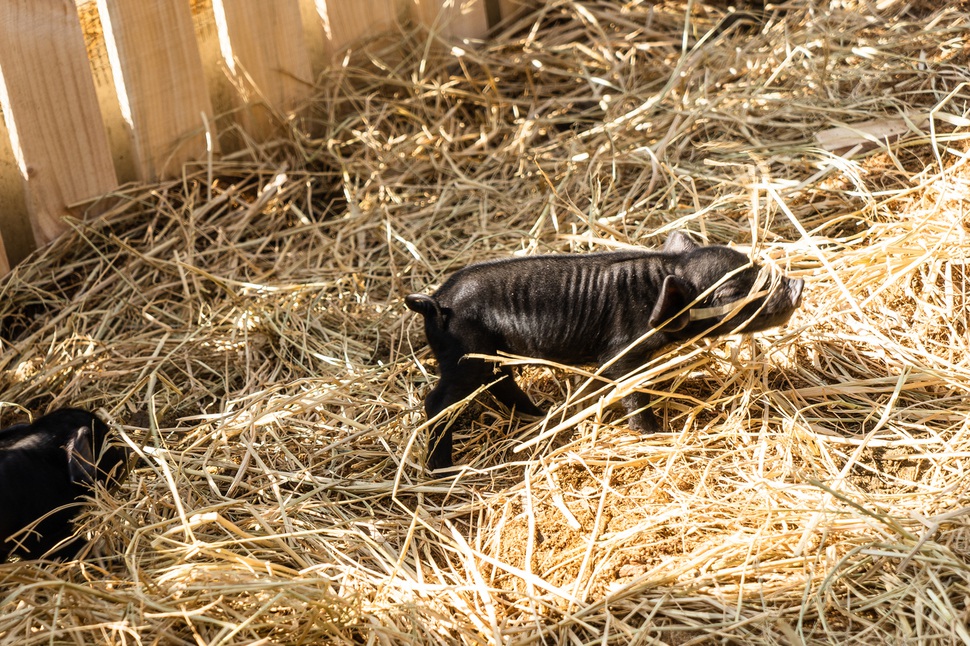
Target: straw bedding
[243, 328]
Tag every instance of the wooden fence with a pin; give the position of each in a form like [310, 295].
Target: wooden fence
[97, 94]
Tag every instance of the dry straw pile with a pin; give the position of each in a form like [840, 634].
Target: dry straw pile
[244, 328]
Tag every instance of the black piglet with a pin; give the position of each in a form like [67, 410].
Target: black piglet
[46, 469]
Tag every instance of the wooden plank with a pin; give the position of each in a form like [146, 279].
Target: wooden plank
[453, 18]
[51, 111]
[262, 45]
[18, 238]
[5, 265]
[313, 36]
[161, 85]
[4, 262]
[348, 22]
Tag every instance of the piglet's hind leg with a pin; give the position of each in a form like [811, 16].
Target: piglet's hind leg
[456, 383]
[636, 405]
[439, 442]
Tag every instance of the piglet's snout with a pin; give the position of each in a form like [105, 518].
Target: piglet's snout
[795, 286]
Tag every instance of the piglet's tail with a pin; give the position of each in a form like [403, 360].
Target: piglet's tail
[427, 307]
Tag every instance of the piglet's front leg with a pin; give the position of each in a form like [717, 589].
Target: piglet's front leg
[639, 417]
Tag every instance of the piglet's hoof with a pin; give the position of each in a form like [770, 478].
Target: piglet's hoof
[438, 460]
[644, 422]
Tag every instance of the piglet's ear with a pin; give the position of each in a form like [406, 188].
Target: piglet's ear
[679, 242]
[80, 456]
[670, 309]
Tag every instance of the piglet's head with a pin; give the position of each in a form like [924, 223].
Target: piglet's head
[716, 290]
[84, 439]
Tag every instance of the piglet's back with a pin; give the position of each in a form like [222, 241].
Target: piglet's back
[542, 306]
[533, 280]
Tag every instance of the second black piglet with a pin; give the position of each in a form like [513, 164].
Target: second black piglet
[618, 308]
[46, 469]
